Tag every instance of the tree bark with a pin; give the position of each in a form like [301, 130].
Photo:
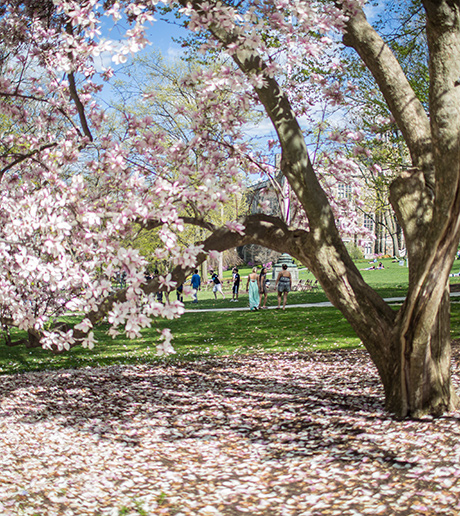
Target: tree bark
[426, 386]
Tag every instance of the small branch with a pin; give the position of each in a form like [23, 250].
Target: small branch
[23, 157]
[193, 221]
[22, 96]
[199, 222]
[79, 105]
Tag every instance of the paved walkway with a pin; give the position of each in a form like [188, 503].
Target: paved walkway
[245, 308]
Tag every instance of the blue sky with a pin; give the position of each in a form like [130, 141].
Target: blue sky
[160, 34]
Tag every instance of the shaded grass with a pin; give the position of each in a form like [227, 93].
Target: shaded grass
[198, 335]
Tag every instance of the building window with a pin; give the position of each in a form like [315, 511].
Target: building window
[344, 191]
[368, 222]
[368, 249]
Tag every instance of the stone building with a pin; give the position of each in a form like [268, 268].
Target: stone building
[387, 238]
[262, 191]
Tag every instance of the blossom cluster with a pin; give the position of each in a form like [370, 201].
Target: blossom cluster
[72, 189]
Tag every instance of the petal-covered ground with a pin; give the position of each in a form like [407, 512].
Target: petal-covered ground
[275, 435]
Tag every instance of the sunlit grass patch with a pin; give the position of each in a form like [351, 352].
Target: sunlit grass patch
[197, 335]
[203, 334]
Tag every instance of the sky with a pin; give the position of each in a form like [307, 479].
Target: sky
[160, 33]
[163, 37]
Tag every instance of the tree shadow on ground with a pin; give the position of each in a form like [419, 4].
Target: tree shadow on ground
[296, 404]
[290, 404]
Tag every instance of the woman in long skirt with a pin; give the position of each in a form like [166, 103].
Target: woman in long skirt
[253, 289]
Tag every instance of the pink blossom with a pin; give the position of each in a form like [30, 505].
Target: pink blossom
[165, 347]
[89, 341]
[84, 325]
[167, 282]
[235, 227]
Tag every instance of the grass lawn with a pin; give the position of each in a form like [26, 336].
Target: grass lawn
[201, 334]
[388, 282]
[197, 335]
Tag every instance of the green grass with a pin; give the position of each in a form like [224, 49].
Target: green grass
[200, 334]
[197, 335]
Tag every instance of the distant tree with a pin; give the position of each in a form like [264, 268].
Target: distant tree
[159, 89]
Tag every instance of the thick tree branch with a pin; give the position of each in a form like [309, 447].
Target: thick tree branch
[321, 249]
[362, 306]
[412, 193]
[444, 64]
[399, 95]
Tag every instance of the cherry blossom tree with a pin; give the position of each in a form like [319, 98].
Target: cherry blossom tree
[70, 190]
[410, 347]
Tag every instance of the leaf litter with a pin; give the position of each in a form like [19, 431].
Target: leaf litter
[288, 434]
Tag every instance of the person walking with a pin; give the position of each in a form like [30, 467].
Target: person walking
[195, 283]
[179, 291]
[283, 285]
[252, 288]
[217, 285]
[159, 294]
[236, 284]
[263, 288]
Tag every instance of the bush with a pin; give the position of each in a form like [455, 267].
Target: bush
[354, 251]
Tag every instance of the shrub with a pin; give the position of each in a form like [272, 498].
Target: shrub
[354, 251]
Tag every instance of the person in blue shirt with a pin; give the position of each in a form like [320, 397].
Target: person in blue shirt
[196, 283]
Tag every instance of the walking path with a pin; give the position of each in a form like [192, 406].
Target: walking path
[304, 305]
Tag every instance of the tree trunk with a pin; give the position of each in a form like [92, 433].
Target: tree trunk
[422, 381]
[392, 227]
[34, 339]
[412, 355]
[410, 347]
